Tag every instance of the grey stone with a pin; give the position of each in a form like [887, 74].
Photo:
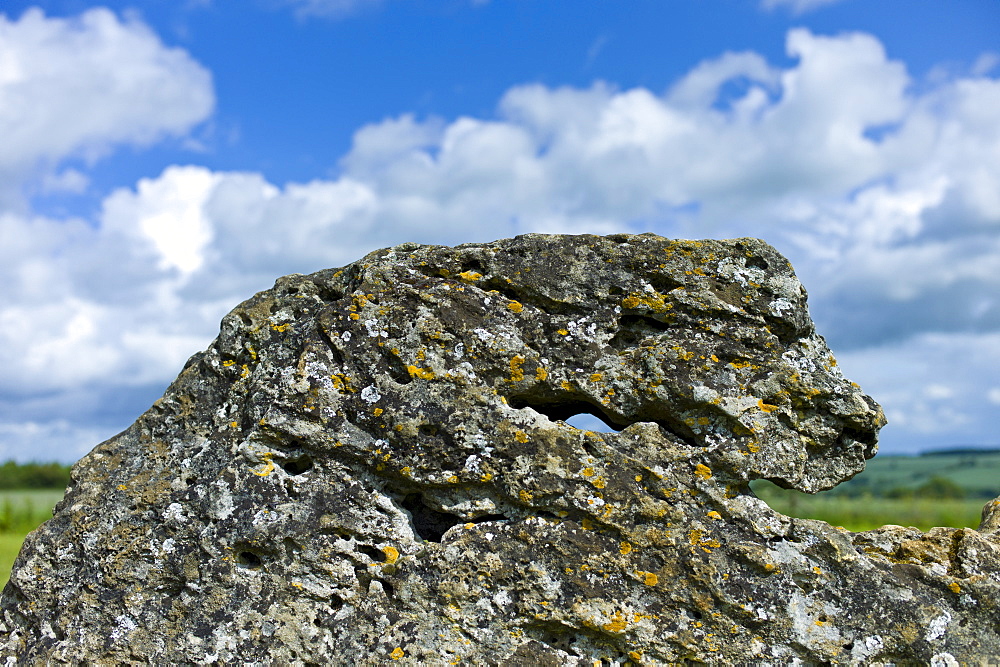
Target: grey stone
[370, 466]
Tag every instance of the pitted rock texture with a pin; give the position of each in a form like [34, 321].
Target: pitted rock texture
[369, 466]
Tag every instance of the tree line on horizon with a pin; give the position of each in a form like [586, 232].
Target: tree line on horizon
[14, 475]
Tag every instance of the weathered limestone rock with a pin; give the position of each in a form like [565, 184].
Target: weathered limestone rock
[369, 465]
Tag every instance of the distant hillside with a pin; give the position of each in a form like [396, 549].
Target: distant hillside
[975, 472]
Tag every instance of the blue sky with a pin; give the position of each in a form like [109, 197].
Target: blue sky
[161, 161]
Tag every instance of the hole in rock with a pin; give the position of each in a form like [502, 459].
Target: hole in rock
[575, 413]
[588, 422]
[249, 560]
[663, 283]
[329, 294]
[429, 524]
[376, 555]
[473, 264]
[398, 370]
[297, 466]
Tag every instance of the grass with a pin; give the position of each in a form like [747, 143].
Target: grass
[21, 511]
[867, 512]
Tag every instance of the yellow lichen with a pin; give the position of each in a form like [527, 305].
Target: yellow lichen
[470, 276]
[515, 306]
[682, 353]
[703, 471]
[766, 407]
[342, 383]
[228, 362]
[715, 515]
[525, 496]
[520, 436]
[617, 623]
[397, 653]
[654, 302]
[648, 578]
[625, 548]
[517, 368]
[562, 332]
[541, 373]
[378, 411]
[268, 465]
[391, 554]
[422, 373]
[281, 328]
[955, 588]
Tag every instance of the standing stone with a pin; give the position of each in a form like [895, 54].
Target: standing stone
[372, 465]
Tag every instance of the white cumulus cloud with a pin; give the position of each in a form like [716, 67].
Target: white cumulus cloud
[78, 87]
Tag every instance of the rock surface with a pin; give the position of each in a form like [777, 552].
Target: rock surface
[369, 466]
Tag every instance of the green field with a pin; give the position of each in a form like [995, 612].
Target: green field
[867, 512]
[21, 511]
[938, 489]
[976, 473]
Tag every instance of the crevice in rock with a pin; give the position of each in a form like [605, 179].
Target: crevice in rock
[518, 293]
[291, 490]
[376, 555]
[428, 523]
[488, 517]
[395, 367]
[786, 332]
[292, 548]
[867, 438]
[633, 329]
[663, 283]
[321, 326]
